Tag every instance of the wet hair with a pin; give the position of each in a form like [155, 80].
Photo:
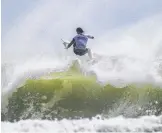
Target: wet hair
[79, 30]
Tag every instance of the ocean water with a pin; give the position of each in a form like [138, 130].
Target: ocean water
[44, 88]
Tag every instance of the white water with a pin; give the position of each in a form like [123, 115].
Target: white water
[118, 124]
[131, 52]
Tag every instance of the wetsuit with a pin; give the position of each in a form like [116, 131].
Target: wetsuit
[79, 44]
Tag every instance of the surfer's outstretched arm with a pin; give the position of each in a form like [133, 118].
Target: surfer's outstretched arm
[69, 45]
[91, 37]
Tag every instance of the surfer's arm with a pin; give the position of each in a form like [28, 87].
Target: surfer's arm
[91, 37]
[69, 45]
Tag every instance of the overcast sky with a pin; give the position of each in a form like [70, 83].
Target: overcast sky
[29, 24]
[118, 11]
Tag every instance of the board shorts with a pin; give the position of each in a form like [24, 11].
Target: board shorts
[80, 51]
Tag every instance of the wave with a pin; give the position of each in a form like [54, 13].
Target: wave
[73, 94]
[95, 125]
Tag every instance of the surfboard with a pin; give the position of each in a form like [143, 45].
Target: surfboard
[65, 42]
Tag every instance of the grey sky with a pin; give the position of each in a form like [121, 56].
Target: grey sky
[123, 11]
[34, 25]
[12, 9]
[118, 11]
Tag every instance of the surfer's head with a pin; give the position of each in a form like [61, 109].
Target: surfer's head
[79, 30]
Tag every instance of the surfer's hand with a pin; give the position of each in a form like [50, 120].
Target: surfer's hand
[92, 37]
[64, 43]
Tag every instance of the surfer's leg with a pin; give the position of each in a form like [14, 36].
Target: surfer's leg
[89, 53]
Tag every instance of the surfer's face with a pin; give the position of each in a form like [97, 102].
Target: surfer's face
[78, 32]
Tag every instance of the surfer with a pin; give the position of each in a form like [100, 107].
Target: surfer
[79, 43]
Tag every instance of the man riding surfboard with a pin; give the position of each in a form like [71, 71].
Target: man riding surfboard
[79, 43]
